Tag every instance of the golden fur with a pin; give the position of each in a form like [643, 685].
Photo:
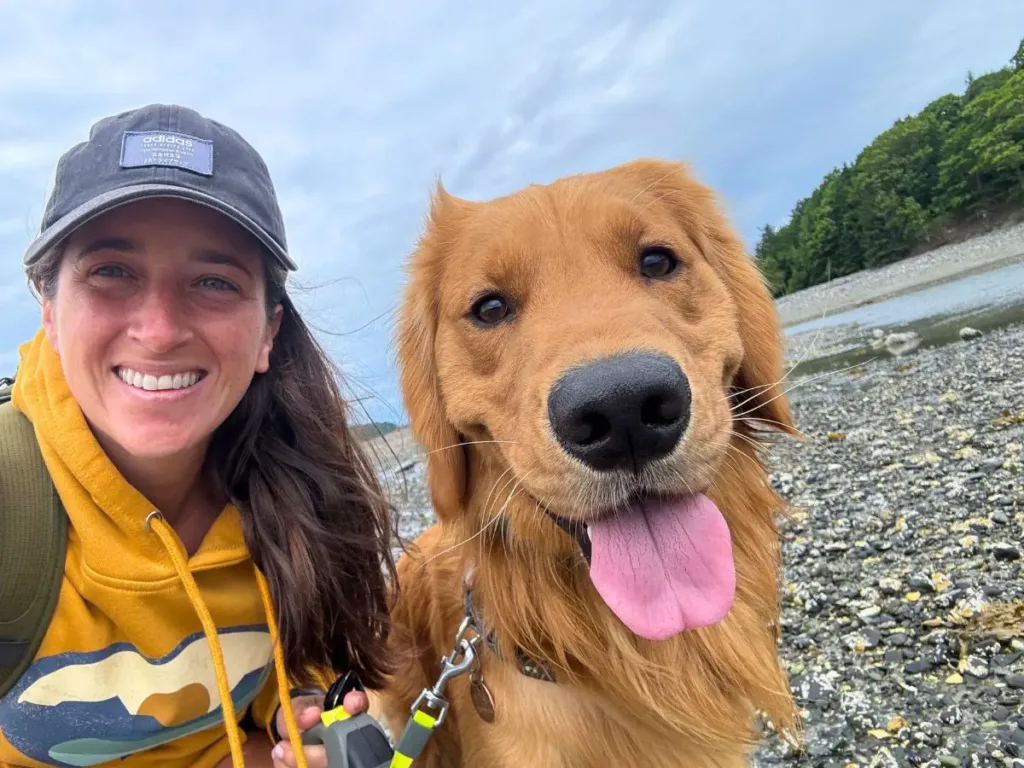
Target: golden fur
[477, 402]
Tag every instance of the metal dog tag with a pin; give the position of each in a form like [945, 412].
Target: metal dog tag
[483, 701]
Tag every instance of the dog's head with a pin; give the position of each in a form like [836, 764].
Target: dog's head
[600, 340]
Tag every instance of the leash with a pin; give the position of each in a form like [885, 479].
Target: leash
[431, 707]
[358, 741]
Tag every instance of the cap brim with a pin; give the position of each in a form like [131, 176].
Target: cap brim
[115, 198]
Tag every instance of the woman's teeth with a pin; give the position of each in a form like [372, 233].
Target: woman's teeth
[151, 382]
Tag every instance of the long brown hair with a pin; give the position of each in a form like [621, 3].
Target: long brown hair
[315, 519]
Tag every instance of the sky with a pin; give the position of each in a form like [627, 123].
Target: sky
[358, 108]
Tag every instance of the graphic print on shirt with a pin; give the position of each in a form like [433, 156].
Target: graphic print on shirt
[79, 709]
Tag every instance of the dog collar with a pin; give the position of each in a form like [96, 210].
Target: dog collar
[527, 665]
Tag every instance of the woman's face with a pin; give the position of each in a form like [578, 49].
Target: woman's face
[160, 322]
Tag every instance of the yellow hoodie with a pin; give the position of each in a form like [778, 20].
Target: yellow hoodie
[127, 674]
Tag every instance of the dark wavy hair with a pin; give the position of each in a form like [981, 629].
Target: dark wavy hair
[315, 518]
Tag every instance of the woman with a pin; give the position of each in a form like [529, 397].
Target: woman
[227, 536]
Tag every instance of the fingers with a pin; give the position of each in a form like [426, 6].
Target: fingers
[284, 756]
[356, 702]
[307, 711]
[307, 714]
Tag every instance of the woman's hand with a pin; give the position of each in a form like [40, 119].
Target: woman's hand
[307, 714]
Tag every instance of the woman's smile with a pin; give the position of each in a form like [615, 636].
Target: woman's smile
[161, 385]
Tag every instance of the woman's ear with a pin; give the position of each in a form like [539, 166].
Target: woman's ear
[267, 345]
[50, 324]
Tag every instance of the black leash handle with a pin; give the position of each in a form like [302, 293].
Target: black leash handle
[335, 695]
[355, 741]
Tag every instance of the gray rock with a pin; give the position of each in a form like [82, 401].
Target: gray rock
[967, 333]
[919, 666]
[1005, 551]
[976, 667]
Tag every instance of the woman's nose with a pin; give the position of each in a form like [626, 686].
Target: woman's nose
[160, 321]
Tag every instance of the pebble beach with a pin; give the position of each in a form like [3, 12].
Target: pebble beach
[903, 597]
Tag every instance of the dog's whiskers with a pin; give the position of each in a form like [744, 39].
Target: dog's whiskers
[726, 450]
[810, 348]
[755, 420]
[755, 444]
[517, 486]
[801, 383]
[468, 443]
[732, 451]
[636, 197]
[465, 541]
[494, 487]
[760, 389]
[492, 521]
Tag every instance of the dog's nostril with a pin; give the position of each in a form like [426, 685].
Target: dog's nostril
[661, 410]
[593, 427]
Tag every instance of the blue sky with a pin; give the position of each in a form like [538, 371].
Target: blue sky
[358, 107]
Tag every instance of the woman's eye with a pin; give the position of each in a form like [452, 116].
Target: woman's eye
[110, 270]
[491, 309]
[217, 284]
[657, 261]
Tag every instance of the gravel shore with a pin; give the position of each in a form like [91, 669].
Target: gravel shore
[903, 623]
[903, 557]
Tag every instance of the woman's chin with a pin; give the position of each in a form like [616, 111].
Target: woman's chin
[159, 441]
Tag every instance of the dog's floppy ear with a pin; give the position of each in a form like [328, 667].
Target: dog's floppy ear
[759, 380]
[418, 320]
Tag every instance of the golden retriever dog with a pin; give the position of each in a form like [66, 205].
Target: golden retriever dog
[589, 365]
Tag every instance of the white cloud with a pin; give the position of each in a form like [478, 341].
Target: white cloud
[357, 107]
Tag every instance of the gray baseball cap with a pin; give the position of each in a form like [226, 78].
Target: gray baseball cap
[163, 151]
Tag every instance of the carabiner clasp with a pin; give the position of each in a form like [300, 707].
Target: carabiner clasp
[460, 661]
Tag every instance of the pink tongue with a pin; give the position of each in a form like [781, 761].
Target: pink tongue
[664, 567]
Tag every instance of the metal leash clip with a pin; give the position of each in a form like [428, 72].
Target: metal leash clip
[460, 661]
[422, 724]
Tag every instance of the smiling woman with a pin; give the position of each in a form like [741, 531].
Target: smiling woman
[159, 316]
[226, 535]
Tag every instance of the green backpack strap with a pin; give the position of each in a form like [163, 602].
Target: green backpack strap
[33, 542]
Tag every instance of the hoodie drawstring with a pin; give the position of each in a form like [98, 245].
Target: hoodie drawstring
[283, 693]
[176, 552]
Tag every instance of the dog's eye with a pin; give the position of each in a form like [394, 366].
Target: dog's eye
[491, 309]
[657, 261]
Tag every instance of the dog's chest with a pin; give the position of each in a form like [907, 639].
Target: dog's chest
[554, 725]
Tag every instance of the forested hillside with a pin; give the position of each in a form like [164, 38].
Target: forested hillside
[957, 164]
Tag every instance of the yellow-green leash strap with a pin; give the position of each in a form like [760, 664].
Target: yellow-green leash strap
[414, 739]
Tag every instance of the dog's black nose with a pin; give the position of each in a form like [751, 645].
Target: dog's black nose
[620, 412]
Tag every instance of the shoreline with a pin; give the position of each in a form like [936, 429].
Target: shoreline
[994, 249]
